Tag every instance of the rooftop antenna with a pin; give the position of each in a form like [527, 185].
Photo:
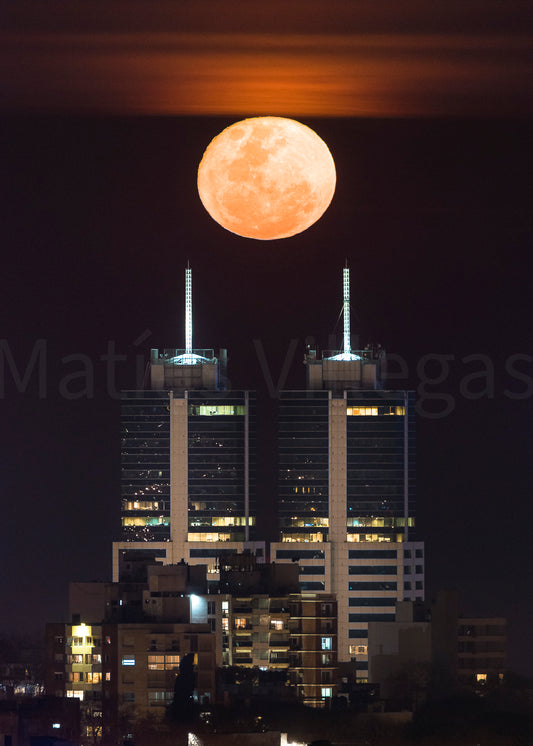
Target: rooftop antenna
[188, 310]
[346, 307]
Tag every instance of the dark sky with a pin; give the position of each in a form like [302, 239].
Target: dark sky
[99, 214]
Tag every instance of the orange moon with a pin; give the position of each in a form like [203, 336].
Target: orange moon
[266, 178]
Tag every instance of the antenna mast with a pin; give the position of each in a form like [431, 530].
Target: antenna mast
[188, 310]
[346, 308]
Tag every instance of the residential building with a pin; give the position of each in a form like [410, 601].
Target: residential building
[434, 647]
[122, 671]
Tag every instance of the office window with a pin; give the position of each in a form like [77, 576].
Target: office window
[128, 660]
[327, 643]
[373, 570]
[371, 617]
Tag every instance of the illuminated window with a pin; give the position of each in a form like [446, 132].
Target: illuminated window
[276, 624]
[108, 676]
[156, 662]
[481, 677]
[208, 536]
[362, 411]
[327, 643]
[310, 521]
[160, 520]
[142, 505]
[326, 691]
[225, 624]
[384, 410]
[213, 410]
[371, 537]
[128, 660]
[311, 537]
[75, 693]
[240, 623]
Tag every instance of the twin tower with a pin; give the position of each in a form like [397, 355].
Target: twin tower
[345, 477]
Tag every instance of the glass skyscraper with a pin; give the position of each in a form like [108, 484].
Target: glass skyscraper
[187, 461]
[346, 489]
[145, 466]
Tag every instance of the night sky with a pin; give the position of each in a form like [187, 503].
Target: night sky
[104, 121]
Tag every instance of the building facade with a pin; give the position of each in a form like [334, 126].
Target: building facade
[121, 672]
[346, 489]
[187, 460]
[346, 477]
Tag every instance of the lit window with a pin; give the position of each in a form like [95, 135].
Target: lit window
[75, 693]
[156, 662]
[276, 624]
[362, 411]
[128, 660]
[108, 676]
[240, 623]
[327, 643]
[212, 410]
[481, 677]
[326, 691]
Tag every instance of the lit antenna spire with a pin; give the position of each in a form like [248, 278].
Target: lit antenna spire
[188, 310]
[346, 307]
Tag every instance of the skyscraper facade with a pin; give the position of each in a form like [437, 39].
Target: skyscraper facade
[346, 489]
[187, 460]
[345, 484]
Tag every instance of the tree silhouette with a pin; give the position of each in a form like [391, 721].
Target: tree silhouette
[183, 708]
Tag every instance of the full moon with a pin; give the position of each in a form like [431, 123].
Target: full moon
[266, 178]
